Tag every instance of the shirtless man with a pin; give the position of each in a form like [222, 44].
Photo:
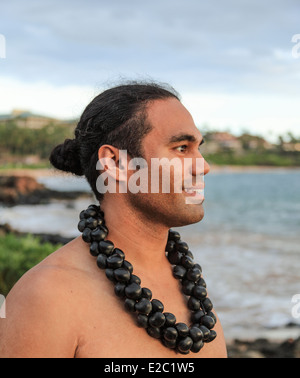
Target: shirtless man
[65, 306]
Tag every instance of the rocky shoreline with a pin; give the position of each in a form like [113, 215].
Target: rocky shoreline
[25, 190]
[263, 348]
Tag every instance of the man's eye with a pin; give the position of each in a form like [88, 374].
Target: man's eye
[182, 148]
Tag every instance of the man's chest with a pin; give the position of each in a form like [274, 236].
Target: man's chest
[117, 335]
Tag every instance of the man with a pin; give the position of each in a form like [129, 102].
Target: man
[66, 306]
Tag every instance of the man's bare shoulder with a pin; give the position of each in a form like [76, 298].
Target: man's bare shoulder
[42, 311]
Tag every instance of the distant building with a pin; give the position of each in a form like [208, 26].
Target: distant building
[254, 142]
[26, 119]
[220, 141]
[291, 147]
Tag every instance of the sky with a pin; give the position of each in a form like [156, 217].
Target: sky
[236, 63]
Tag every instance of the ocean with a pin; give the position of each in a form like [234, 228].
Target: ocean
[248, 245]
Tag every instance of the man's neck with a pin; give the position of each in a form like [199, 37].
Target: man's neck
[142, 240]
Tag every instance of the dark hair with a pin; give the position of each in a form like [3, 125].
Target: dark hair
[116, 117]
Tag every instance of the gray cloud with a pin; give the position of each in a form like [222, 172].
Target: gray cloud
[236, 45]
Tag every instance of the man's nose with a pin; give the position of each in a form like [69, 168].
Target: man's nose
[200, 166]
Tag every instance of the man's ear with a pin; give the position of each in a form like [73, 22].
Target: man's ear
[113, 161]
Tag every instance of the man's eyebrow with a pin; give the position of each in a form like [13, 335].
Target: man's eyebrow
[183, 137]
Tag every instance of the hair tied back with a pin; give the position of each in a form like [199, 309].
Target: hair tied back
[66, 157]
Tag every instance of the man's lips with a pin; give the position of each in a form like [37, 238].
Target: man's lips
[194, 191]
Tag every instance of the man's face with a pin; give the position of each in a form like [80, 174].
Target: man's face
[173, 135]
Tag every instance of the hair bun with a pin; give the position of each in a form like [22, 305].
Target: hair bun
[65, 157]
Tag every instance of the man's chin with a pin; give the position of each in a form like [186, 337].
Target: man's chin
[190, 215]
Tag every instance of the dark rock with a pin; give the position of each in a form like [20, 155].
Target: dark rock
[25, 190]
[263, 348]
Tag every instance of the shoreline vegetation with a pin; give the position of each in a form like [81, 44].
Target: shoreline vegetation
[27, 139]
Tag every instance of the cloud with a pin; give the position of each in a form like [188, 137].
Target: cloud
[66, 102]
[81, 41]
[238, 48]
[257, 114]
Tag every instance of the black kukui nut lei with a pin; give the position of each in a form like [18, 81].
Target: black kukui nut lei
[150, 312]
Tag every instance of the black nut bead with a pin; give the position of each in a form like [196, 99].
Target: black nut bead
[194, 304]
[211, 314]
[118, 251]
[94, 250]
[187, 287]
[196, 316]
[110, 274]
[212, 336]
[157, 306]
[170, 334]
[81, 225]
[127, 265]
[185, 345]
[129, 304]
[193, 274]
[200, 292]
[133, 291]
[82, 215]
[208, 306]
[182, 329]
[154, 332]
[120, 289]
[114, 261]
[104, 228]
[106, 247]
[170, 246]
[189, 254]
[196, 334]
[122, 275]
[143, 306]
[100, 222]
[170, 319]
[179, 272]
[169, 344]
[174, 257]
[142, 321]
[207, 321]
[197, 346]
[157, 320]
[146, 293]
[91, 223]
[187, 262]
[90, 213]
[95, 208]
[199, 267]
[86, 235]
[182, 247]
[135, 279]
[201, 282]
[174, 235]
[102, 261]
[98, 234]
[205, 331]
